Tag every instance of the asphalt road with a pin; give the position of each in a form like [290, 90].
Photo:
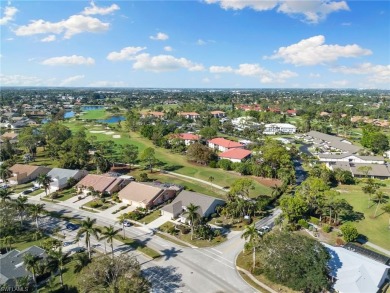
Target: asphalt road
[181, 269]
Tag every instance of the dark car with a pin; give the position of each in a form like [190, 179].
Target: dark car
[71, 226]
[27, 191]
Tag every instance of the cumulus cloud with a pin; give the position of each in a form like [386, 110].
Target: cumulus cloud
[168, 48]
[69, 60]
[20, 80]
[265, 76]
[311, 11]
[313, 51]
[161, 63]
[159, 37]
[107, 83]
[50, 38]
[8, 15]
[220, 69]
[75, 24]
[93, 9]
[71, 79]
[127, 53]
[314, 75]
[376, 73]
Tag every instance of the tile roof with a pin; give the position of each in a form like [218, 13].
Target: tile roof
[28, 169]
[235, 153]
[139, 192]
[98, 182]
[189, 136]
[225, 142]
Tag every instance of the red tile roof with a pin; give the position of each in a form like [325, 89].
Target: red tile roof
[189, 136]
[225, 143]
[188, 113]
[217, 112]
[235, 154]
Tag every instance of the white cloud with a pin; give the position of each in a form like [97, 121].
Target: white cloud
[340, 83]
[376, 73]
[75, 24]
[127, 53]
[69, 60]
[206, 80]
[312, 11]
[20, 80]
[265, 76]
[200, 42]
[161, 63]
[160, 37]
[313, 51]
[9, 13]
[314, 75]
[168, 48]
[71, 79]
[50, 38]
[220, 69]
[107, 83]
[93, 9]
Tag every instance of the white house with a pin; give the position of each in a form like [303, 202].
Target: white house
[222, 144]
[235, 155]
[352, 158]
[60, 177]
[279, 128]
[387, 154]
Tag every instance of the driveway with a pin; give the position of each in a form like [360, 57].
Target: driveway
[158, 222]
[71, 202]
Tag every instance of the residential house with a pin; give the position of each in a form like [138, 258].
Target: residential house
[353, 272]
[146, 196]
[352, 158]
[330, 143]
[101, 183]
[188, 138]
[387, 154]
[189, 115]
[60, 177]
[25, 173]
[154, 114]
[11, 136]
[12, 265]
[240, 123]
[222, 144]
[218, 114]
[377, 171]
[235, 155]
[279, 128]
[253, 107]
[207, 204]
[292, 112]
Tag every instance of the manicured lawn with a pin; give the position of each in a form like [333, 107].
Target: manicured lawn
[151, 217]
[21, 187]
[69, 277]
[66, 194]
[139, 246]
[36, 192]
[26, 240]
[95, 114]
[376, 229]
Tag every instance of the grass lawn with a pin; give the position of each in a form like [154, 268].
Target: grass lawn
[244, 260]
[26, 240]
[376, 229]
[151, 217]
[36, 192]
[69, 277]
[176, 162]
[95, 114]
[66, 194]
[139, 246]
[21, 187]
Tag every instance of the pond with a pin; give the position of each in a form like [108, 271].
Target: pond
[71, 114]
[113, 119]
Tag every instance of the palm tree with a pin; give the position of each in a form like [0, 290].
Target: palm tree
[44, 180]
[5, 194]
[122, 220]
[7, 241]
[191, 212]
[211, 179]
[5, 173]
[31, 264]
[59, 259]
[252, 236]
[36, 210]
[81, 260]
[88, 228]
[386, 209]
[21, 206]
[379, 198]
[110, 234]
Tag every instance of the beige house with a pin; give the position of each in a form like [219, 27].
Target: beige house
[25, 173]
[101, 183]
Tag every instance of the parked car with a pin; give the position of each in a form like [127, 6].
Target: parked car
[27, 191]
[34, 188]
[71, 226]
[263, 230]
[126, 224]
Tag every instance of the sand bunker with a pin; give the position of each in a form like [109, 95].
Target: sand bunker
[109, 132]
[116, 136]
[96, 131]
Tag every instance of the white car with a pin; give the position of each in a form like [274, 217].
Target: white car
[264, 230]
[126, 224]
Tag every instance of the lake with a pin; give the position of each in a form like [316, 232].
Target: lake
[71, 114]
[113, 119]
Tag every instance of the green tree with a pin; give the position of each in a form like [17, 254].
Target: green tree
[370, 188]
[149, 156]
[199, 153]
[81, 260]
[129, 154]
[242, 187]
[192, 214]
[36, 210]
[5, 194]
[5, 172]
[379, 199]
[102, 164]
[293, 207]
[31, 263]
[109, 234]
[350, 233]
[208, 132]
[59, 259]
[21, 206]
[44, 181]
[88, 229]
[252, 236]
[386, 209]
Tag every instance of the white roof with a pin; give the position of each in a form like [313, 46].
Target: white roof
[354, 272]
[281, 125]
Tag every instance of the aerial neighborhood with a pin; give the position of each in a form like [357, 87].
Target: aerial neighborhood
[90, 172]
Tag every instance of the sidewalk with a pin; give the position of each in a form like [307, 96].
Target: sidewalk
[196, 179]
[255, 280]
[376, 247]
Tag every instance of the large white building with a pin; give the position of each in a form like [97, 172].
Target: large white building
[279, 128]
[351, 158]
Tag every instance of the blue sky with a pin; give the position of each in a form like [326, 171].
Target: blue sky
[198, 44]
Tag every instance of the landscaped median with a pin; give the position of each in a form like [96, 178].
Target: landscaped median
[138, 245]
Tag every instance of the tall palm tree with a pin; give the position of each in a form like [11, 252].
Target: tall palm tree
[122, 220]
[5, 173]
[21, 206]
[88, 228]
[5, 194]
[44, 180]
[252, 237]
[81, 260]
[59, 259]
[109, 234]
[36, 210]
[31, 264]
[191, 212]
[386, 209]
[7, 241]
[379, 198]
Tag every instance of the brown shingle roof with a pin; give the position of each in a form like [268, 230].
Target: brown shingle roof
[28, 169]
[139, 192]
[98, 182]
